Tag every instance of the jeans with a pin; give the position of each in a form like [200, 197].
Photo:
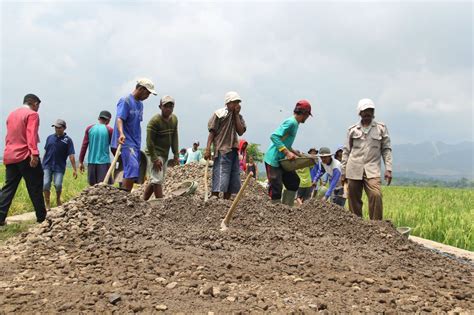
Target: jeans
[49, 176]
[34, 184]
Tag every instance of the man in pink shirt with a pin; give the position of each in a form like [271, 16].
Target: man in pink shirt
[21, 158]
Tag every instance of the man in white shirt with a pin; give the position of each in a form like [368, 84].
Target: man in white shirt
[194, 154]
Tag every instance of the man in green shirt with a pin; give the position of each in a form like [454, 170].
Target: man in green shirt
[281, 147]
[162, 134]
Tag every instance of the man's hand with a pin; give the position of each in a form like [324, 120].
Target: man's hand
[74, 174]
[343, 179]
[237, 109]
[207, 154]
[81, 167]
[388, 177]
[121, 139]
[290, 155]
[158, 165]
[297, 152]
[34, 160]
[176, 160]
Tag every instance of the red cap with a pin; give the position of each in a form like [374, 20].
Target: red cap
[304, 106]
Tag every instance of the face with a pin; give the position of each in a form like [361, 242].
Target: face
[326, 159]
[313, 152]
[166, 109]
[339, 155]
[35, 106]
[195, 146]
[231, 105]
[302, 117]
[143, 93]
[250, 159]
[59, 130]
[367, 115]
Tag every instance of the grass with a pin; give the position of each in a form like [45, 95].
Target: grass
[443, 215]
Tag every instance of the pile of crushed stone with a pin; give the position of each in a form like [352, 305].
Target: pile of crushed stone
[108, 251]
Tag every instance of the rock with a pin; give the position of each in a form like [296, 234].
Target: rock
[161, 307]
[368, 280]
[215, 291]
[296, 280]
[383, 290]
[114, 298]
[171, 285]
[231, 298]
[206, 289]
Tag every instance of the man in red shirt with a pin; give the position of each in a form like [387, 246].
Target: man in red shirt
[21, 158]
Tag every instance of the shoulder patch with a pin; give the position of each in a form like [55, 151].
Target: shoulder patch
[353, 126]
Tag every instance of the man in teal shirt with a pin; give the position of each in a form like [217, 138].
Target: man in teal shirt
[97, 140]
[281, 146]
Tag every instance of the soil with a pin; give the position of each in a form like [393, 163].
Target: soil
[109, 251]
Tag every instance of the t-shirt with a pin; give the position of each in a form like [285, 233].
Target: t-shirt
[193, 156]
[131, 112]
[222, 123]
[333, 172]
[282, 138]
[161, 135]
[305, 177]
[97, 139]
[57, 151]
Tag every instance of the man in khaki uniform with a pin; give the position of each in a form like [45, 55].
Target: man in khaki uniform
[367, 142]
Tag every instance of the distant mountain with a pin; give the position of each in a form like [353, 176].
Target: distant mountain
[434, 159]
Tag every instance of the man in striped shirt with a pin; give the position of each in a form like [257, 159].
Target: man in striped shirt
[162, 134]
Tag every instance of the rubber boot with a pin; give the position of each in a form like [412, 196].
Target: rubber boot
[288, 197]
[275, 201]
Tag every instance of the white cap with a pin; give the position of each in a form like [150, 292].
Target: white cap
[364, 104]
[166, 99]
[146, 83]
[232, 96]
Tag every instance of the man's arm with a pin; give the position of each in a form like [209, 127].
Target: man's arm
[84, 146]
[345, 155]
[73, 163]
[210, 139]
[277, 136]
[336, 174]
[387, 155]
[175, 145]
[32, 126]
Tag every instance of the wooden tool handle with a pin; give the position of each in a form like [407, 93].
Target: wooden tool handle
[236, 200]
[206, 189]
[112, 166]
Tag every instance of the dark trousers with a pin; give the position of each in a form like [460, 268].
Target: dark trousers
[277, 177]
[372, 187]
[34, 184]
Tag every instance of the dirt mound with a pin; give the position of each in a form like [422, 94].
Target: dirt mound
[110, 251]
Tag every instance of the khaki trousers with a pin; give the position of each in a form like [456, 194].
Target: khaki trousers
[372, 187]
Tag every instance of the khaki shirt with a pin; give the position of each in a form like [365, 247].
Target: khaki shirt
[225, 134]
[362, 152]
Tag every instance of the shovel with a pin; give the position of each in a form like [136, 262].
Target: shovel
[234, 204]
[112, 166]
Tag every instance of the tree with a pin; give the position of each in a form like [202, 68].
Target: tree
[254, 151]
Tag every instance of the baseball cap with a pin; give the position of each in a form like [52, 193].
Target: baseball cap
[166, 99]
[324, 151]
[196, 142]
[304, 106]
[364, 104]
[232, 96]
[105, 114]
[148, 84]
[59, 123]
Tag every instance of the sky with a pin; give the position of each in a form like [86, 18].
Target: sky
[413, 59]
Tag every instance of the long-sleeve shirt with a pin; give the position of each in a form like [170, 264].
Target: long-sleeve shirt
[364, 150]
[222, 124]
[97, 138]
[282, 138]
[22, 137]
[161, 136]
[333, 170]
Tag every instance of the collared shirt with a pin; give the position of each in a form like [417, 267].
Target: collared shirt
[58, 148]
[282, 138]
[22, 137]
[97, 139]
[131, 112]
[363, 152]
[222, 123]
